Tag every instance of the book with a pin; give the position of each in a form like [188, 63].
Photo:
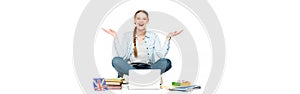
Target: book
[185, 88]
[114, 87]
[114, 79]
[113, 83]
[99, 84]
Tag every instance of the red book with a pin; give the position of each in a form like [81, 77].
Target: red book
[114, 87]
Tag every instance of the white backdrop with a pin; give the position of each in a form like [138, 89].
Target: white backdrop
[262, 45]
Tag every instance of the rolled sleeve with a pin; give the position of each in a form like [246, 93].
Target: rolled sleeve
[161, 51]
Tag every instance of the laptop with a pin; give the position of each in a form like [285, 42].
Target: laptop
[144, 79]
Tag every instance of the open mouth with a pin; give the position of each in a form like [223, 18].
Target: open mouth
[141, 24]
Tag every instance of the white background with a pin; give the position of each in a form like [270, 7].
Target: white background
[114, 21]
[262, 45]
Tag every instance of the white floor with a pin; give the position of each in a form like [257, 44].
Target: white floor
[160, 91]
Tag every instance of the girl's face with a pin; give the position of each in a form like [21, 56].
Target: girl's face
[141, 20]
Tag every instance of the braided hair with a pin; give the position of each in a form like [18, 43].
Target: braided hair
[134, 33]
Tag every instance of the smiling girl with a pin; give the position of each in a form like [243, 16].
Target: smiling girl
[142, 49]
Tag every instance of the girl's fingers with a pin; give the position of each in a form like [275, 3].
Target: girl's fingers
[178, 32]
[104, 29]
[111, 30]
[175, 33]
[107, 31]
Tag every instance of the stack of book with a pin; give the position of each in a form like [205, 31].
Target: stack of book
[114, 83]
[183, 86]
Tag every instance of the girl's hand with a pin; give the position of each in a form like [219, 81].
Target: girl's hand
[111, 32]
[172, 34]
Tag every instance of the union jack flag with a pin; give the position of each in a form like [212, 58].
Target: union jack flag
[99, 84]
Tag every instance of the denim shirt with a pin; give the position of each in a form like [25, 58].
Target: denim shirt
[153, 46]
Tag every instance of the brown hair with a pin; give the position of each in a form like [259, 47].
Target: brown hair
[134, 32]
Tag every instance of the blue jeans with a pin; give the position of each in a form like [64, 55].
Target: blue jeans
[123, 67]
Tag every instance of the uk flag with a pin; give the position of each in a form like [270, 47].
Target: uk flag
[99, 84]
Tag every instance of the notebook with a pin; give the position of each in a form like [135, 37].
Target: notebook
[144, 79]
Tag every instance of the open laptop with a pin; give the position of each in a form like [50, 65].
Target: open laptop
[144, 79]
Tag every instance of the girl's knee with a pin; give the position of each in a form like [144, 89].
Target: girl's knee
[116, 60]
[168, 61]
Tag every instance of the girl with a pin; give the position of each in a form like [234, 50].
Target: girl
[141, 50]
